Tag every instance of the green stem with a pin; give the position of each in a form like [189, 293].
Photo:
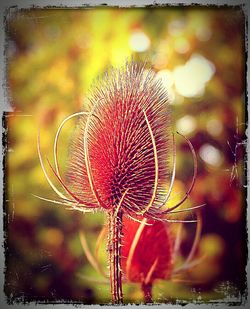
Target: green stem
[114, 251]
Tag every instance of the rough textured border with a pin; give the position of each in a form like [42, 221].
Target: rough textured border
[5, 6]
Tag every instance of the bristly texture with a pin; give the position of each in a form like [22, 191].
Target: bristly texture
[123, 145]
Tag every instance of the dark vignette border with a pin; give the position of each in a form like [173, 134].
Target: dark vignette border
[10, 12]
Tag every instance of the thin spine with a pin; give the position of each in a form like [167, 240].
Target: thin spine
[156, 164]
[139, 221]
[92, 260]
[150, 272]
[57, 138]
[193, 179]
[100, 238]
[60, 194]
[63, 184]
[186, 209]
[173, 175]
[188, 260]
[133, 246]
[83, 208]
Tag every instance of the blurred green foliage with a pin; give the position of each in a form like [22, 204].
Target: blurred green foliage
[53, 56]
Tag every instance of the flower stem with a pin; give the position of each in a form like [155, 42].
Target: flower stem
[147, 291]
[114, 251]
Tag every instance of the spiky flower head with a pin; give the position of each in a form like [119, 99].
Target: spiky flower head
[119, 155]
[122, 146]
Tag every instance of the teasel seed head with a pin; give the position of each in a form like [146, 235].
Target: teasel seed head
[123, 145]
[119, 155]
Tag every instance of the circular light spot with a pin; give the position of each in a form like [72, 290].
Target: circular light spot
[186, 124]
[214, 127]
[210, 155]
[191, 78]
[201, 67]
[187, 84]
[139, 41]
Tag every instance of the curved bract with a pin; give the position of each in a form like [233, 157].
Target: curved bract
[121, 145]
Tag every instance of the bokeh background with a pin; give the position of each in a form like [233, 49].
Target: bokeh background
[52, 57]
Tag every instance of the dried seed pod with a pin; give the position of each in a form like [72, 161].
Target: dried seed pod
[119, 155]
[123, 144]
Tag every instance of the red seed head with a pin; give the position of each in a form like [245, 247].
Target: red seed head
[123, 145]
[147, 251]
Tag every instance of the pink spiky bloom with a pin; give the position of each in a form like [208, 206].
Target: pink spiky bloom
[130, 115]
[119, 155]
